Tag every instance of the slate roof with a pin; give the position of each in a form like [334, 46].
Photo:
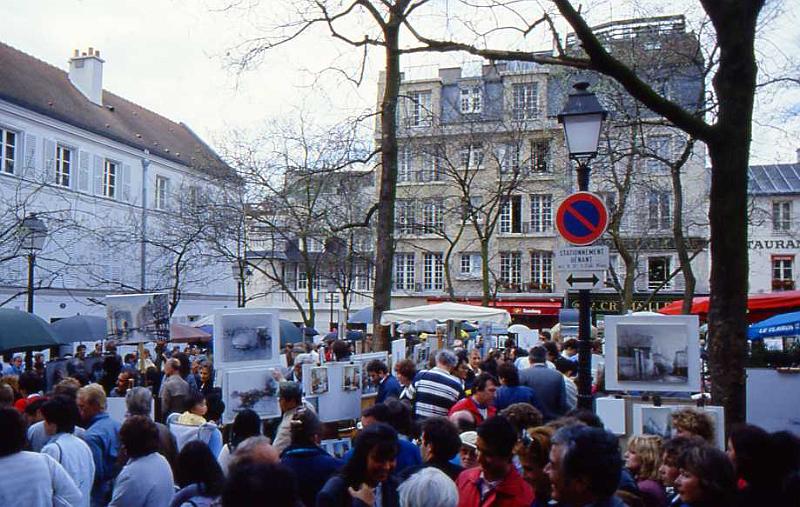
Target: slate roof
[45, 89]
[774, 179]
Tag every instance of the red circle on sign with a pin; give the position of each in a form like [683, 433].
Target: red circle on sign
[582, 218]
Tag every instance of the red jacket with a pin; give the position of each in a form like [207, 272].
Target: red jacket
[513, 491]
[470, 406]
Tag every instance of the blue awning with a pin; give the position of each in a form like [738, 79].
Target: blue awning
[785, 324]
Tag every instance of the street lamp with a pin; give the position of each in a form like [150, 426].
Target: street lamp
[240, 273]
[582, 118]
[331, 292]
[32, 233]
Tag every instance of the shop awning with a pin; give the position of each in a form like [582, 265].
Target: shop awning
[759, 306]
[529, 307]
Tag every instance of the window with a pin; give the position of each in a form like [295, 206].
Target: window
[302, 279]
[470, 156]
[658, 148]
[420, 114]
[471, 264]
[781, 215]
[541, 212]
[659, 210]
[361, 276]
[782, 278]
[8, 150]
[511, 268]
[110, 179]
[162, 192]
[432, 219]
[525, 101]
[63, 165]
[510, 215]
[404, 271]
[471, 100]
[433, 278]
[613, 269]
[311, 245]
[472, 208]
[405, 167]
[540, 156]
[542, 271]
[509, 156]
[404, 210]
[430, 164]
[658, 271]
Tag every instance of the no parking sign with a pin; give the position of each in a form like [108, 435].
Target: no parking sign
[582, 218]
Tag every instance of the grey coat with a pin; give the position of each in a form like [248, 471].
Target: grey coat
[549, 387]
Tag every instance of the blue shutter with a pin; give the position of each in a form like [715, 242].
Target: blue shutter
[126, 183]
[83, 171]
[98, 175]
[48, 172]
[29, 163]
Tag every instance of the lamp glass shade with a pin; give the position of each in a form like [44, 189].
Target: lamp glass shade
[236, 268]
[582, 133]
[33, 234]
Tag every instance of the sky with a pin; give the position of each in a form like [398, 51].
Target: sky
[172, 56]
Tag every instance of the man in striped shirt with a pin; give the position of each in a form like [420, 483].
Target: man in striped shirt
[437, 389]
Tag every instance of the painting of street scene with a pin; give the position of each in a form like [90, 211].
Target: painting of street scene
[137, 318]
[246, 336]
[351, 378]
[652, 354]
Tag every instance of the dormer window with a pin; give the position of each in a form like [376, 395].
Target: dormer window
[471, 100]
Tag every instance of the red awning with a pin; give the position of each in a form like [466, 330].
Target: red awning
[759, 306]
[518, 307]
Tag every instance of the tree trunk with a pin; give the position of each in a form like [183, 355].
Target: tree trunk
[485, 285]
[689, 280]
[385, 244]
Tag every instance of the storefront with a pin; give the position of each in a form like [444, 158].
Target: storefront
[536, 313]
[608, 303]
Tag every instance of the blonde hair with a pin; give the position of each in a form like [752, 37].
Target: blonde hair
[648, 448]
[694, 422]
[95, 394]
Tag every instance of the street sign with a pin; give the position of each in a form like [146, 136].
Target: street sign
[582, 218]
[582, 258]
[583, 280]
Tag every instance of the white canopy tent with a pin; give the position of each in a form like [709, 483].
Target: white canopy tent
[447, 311]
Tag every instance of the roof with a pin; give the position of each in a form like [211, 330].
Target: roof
[774, 179]
[45, 89]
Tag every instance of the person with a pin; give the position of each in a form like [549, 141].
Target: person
[428, 487]
[98, 350]
[37, 436]
[341, 350]
[643, 461]
[254, 450]
[436, 389]
[246, 424]
[198, 475]
[290, 400]
[185, 370]
[440, 444]
[751, 451]
[687, 422]
[271, 483]
[585, 467]
[123, 384]
[511, 391]
[397, 415]
[706, 477]
[495, 482]
[6, 396]
[668, 471]
[139, 401]
[468, 454]
[462, 372]
[196, 410]
[306, 458]
[369, 473]
[146, 479]
[547, 384]
[30, 387]
[30, 478]
[174, 390]
[481, 403]
[14, 367]
[388, 386]
[80, 352]
[522, 416]
[406, 370]
[71, 452]
[533, 451]
[102, 437]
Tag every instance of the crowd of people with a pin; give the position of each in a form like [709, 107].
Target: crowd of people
[467, 430]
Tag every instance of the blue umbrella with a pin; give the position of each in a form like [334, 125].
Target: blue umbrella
[363, 316]
[310, 331]
[80, 328]
[290, 333]
[25, 331]
[785, 324]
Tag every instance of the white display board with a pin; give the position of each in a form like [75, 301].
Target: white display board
[246, 337]
[338, 402]
[116, 408]
[398, 351]
[653, 420]
[773, 400]
[250, 388]
[367, 387]
[612, 412]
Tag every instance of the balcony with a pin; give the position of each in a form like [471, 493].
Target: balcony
[779, 285]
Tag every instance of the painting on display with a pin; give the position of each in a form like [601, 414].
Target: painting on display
[336, 447]
[254, 389]
[242, 337]
[319, 380]
[398, 350]
[420, 355]
[137, 318]
[367, 386]
[652, 353]
[653, 420]
[351, 377]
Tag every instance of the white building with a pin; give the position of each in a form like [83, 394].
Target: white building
[115, 185]
[774, 233]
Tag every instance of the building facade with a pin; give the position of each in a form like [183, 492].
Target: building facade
[118, 187]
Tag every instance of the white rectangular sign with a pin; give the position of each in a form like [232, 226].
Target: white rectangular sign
[582, 279]
[582, 258]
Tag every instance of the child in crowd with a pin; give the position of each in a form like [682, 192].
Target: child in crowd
[195, 416]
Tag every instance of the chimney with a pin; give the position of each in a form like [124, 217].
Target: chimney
[86, 74]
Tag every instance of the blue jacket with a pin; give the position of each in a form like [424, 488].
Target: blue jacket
[408, 455]
[389, 388]
[335, 494]
[508, 395]
[102, 437]
[313, 467]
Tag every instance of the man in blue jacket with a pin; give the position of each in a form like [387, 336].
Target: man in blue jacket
[102, 437]
[388, 386]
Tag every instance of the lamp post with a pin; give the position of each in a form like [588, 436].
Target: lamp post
[32, 234]
[331, 292]
[582, 118]
[240, 272]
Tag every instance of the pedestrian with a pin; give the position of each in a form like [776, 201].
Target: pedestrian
[585, 467]
[30, 389]
[533, 451]
[668, 471]
[468, 454]
[481, 403]
[436, 389]
[102, 437]
[751, 451]
[124, 382]
[549, 385]
[511, 391]
[306, 458]
[255, 483]
[463, 372]
[687, 422]
[440, 443]
[174, 390]
[37, 436]
[139, 401]
[643, 460]
[60, 415]
[397, 415]
[369, 473]
[30, 478]
[146, 479]
[246, 424]
[388, 386]
[6, 396]
[198, 475]
[495, 482]
[254, 450]
[428, 487]
[196, 410]
[406, 370]
[290, 400]
[706, 479]
[15, 366]
[522, 416]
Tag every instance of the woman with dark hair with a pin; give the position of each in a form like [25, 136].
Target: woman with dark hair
[146, 480]
[405, 370]
[198, 475]
[254, 483]
[463, 371]
[306, 458]
[706, 478]
[368, 472]
[246, 424]
[533, 451]
[750, 452]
